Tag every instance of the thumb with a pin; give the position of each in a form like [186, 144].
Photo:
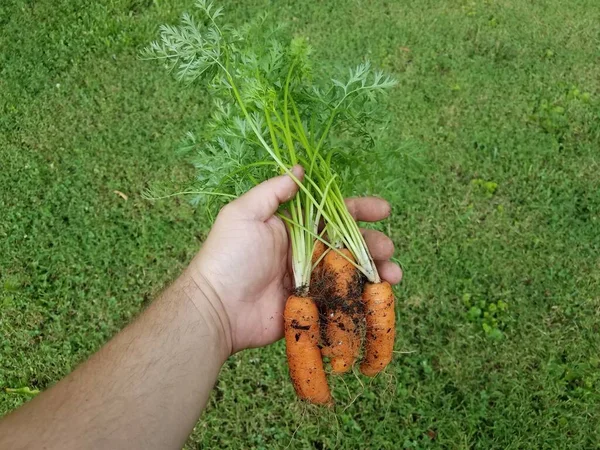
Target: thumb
[262, 201]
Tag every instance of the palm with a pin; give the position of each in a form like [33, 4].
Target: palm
[249, 270]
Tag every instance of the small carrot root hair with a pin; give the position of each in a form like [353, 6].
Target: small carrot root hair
[301, 324]
[378, 299]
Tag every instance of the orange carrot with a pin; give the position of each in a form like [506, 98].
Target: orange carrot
[301, 321]
[380, 317]
[342, 272]
[317, 272]
[344, 341]
[319, 249]
[342, 311]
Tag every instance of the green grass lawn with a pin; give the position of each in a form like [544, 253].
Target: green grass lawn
[493, 170]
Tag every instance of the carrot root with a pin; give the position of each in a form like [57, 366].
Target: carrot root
[342, 311]
[342, 273]
[380, 333]
[318, 250]
[301, 322]
[316, 277]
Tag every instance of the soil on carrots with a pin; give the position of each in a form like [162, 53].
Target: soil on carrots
[324, 293]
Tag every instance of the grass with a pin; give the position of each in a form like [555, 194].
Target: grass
[492, 170]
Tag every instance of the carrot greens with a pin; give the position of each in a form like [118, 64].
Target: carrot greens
[271, 110]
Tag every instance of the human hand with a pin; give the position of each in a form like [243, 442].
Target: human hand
[245, 259]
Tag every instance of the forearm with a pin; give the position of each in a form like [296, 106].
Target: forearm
[146, 388]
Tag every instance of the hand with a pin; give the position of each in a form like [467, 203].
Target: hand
[245, 259]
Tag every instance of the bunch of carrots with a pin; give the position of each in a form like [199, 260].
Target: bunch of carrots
[271, 112]
[329, 324]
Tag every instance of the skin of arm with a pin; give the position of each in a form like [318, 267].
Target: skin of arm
[147, 387]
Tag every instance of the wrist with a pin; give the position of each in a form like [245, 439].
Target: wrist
[207, 303]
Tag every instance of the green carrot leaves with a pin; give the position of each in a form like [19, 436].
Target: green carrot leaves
[272, 110]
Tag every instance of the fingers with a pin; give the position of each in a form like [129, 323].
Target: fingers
[380, 246]
[262, 201]
[372, 209]
[389, 271]
[368, 209]
[382, 249]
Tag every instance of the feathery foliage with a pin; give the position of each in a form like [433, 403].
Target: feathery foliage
[271, 111]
